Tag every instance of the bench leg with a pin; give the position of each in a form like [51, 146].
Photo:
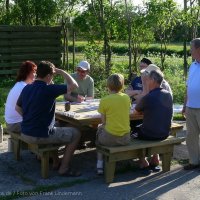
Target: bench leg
[16, 148]
[109, 171]
[166, 161]
[45, 165]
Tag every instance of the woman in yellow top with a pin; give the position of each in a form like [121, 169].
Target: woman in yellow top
[115, 111]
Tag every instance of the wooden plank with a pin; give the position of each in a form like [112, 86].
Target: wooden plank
[30, 28]
[10, 65]
[29, 42]
[139, 144]
[16, 65]
[39, 56]
[13, 71]
[30, 35]
[30, 50]
[137, 153]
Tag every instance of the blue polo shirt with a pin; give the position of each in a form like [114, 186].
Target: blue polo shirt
[157, 107]
[137, 83]
[37, 101]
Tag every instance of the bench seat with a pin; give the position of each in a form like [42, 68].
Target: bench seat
[44, 151]
[140, 148]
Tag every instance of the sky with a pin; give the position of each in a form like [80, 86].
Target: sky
[139, 2]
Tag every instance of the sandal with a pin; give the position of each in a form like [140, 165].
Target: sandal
[71, 173]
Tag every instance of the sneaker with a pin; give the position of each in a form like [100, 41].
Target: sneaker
[155, 168]
[99, 171]
[190, 167]
[145, 171]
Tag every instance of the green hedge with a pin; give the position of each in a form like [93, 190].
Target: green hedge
[122, 49]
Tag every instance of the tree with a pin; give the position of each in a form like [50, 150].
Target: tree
[136, 30]
[66, 12]
[32, 12]
[163, 16]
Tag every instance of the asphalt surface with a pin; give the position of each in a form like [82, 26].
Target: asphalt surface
[22, 179]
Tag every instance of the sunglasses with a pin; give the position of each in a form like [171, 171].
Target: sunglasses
[82, 71]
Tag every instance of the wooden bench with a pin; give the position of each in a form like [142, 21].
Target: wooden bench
[175, 127]
[140, 148]
[42, 150]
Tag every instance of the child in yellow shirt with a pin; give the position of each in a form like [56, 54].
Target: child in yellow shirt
[115, 111]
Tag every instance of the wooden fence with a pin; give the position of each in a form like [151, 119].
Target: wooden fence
[35, 43]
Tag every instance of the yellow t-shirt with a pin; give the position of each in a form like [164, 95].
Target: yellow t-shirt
[116, 108]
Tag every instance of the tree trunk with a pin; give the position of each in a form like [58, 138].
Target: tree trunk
[73, 50]
[67, 47]
[7, 5]
[129, 41]
[185, 44]
[108, 52]
[64, 43]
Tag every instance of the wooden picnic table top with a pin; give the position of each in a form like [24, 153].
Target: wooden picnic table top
[84, 113]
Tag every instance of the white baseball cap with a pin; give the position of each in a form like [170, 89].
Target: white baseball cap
[150, 68]
[84, 65]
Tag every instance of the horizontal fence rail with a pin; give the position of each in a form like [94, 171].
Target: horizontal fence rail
[35, 43]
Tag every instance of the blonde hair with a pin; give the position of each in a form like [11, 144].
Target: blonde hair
[115, 82]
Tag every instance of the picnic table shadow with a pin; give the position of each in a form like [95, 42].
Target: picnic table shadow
[85, 160]
[151, 187]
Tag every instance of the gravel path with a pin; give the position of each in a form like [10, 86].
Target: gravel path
[23, 178]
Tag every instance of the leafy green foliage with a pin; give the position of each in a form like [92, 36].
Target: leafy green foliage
[163, 17]
[173, 74]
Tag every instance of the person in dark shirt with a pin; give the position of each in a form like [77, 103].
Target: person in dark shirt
[157, 109]
[136, 87]
[36, 104]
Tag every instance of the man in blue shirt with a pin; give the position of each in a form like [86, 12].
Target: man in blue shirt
[191, 108]
[37, 106]
[157, 108]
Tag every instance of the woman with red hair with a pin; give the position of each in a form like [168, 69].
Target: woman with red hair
[26, 75]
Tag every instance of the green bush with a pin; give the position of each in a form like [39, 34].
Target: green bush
[122, 48]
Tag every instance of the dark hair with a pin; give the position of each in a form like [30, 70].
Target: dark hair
[146, 60]
[45, 68]
[25, 69]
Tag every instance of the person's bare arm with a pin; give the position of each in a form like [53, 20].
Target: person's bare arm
[131, 93]
[184, 105]
[71, 83]
[19, 110]
[69, 97]
[144, 91]
[103, 119]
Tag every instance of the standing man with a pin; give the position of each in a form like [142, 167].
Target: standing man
[85, 83]
[191, 107]
[36, 104]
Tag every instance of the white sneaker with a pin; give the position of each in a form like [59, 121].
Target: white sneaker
[99, 171]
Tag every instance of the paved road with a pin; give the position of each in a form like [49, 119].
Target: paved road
[23, 178]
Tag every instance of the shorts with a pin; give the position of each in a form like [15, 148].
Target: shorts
[59, 135]
[15, 127]
[107, 139]
[138, 134]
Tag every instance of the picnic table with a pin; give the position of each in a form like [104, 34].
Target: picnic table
[85, 113]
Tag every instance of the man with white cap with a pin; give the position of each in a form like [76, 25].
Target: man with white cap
[85, 83]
